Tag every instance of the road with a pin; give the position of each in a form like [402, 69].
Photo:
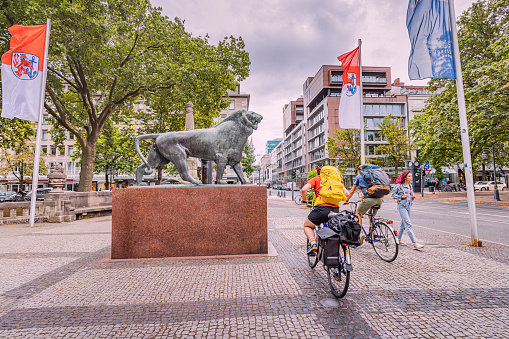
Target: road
[453, 217]
[449, 216]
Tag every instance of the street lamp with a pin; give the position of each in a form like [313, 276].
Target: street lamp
[502, 154]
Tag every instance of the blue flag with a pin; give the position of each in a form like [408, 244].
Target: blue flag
[429, 29]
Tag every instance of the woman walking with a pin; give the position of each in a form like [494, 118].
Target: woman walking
[403, 194]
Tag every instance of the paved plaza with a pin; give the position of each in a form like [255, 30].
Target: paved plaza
[53, 285]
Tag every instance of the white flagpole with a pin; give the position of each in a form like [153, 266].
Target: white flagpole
[363, 152]
[465, 140]
[35, 175]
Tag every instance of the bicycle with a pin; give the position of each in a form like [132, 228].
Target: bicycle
[338, 276]
[379, 235]
[19, 196]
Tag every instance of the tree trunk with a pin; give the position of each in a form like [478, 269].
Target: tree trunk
[87, 168]
[106, 181]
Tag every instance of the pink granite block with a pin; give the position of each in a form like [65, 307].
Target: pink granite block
[182, 221]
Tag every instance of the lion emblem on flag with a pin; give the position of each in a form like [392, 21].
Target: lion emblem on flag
[351, 84]
[24, 65]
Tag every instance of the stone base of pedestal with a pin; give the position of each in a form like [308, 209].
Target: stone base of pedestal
[189, 221]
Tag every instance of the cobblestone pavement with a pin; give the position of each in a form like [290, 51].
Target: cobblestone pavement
[52, 286]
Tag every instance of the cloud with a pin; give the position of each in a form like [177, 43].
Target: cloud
[289, 40]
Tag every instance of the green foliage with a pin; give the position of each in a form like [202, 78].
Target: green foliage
[312, 174]
[345, 144]
[14, 132]
[115, 149]
[248, 160]
[106, 54]
[398, 144]
[19, 161]
[483, 36]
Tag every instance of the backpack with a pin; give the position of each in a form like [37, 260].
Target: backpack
[349, 230]
[377, 181]
[332, 187]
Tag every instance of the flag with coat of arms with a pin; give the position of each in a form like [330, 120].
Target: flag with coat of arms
[350, 104]
[22, 68]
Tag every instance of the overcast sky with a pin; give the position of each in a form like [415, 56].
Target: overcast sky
[289, 40]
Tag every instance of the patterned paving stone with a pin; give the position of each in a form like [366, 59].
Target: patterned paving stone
[57, 243]
[20, 271]
[282, 326]
[478, 323]
[167, 284]
[55, 288]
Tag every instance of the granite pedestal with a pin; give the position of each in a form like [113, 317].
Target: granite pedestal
[188, 221]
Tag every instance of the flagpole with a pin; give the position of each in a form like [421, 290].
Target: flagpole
[363, 153]
[465, 140]
[35, 175]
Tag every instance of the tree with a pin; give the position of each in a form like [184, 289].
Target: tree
[115, 150]
[106, 54]
[345, 144]
[19, 160]
[483, 36]
[397, 145]
[14, 132]
[248, 160]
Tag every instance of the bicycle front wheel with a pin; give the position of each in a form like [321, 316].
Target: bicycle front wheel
[298, 199]
[384, 242]
[339, 280]
[312, 258]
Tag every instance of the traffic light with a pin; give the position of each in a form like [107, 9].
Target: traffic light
[294, 174]
[423, 172]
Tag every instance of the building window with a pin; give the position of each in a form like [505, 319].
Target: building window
[45, 134]
[44, 119]
[53, 150]
[232, 105]
[70, 150]
[71, 136]
[44, 149]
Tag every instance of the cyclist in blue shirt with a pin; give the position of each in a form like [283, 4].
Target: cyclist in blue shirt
[367, 200]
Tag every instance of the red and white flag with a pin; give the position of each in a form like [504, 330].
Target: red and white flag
[350, 104]
[22, 73]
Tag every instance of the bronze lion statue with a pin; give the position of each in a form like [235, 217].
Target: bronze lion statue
[222, 144]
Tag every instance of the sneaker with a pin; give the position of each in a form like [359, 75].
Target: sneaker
[312, 248]
[401, 243]
[418, 246]
[362, 239]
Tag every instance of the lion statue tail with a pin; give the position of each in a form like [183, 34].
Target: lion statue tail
[137, 145]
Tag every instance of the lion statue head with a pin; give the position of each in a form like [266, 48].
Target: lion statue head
[247, 118]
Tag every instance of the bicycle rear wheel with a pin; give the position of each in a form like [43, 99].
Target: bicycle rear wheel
[312, 258]
[384, 242]
[339, 279]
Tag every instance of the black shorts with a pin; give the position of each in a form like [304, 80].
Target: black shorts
[320, 214]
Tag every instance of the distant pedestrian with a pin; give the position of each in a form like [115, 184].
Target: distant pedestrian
[403, 194]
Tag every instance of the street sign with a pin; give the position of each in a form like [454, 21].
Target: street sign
[427, 167]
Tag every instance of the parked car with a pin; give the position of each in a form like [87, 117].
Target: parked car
[488, 185]
[481, 186]
[500, 185]
[4, 195]
[16, 196]
[40, 194]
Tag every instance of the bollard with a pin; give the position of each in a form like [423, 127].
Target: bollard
[284, 194]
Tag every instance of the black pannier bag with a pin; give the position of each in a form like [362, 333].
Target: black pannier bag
[349, 230]
[328, 246]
